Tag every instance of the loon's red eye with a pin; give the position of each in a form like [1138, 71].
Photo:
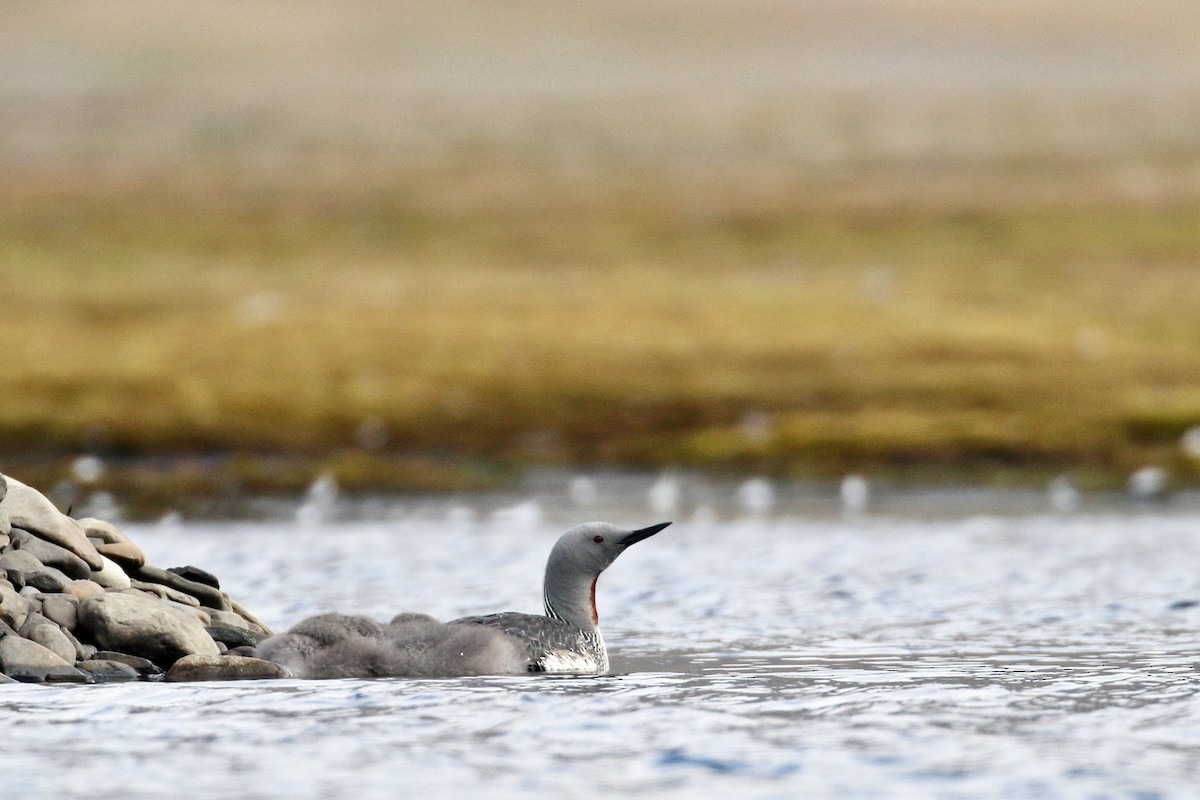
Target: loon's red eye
[598, 539]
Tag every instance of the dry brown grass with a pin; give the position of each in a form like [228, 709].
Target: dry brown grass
[603, 332]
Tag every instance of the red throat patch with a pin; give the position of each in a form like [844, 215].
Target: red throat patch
[595, 616]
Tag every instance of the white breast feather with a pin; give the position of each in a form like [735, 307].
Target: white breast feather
[569, 662]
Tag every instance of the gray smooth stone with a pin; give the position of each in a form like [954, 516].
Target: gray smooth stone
[207, 595]
[196, 574]
[166, 593]
[256, 625]
[15, 607]
[74, 676]
[47, 579]
[35, 618]
[195, 612]
[52, 555]
[228, 619]
[144, 666]
[61, 610]
[27, 660]
[138, 625]
[112, 542]
[105, 670]
[30, 510]
[232, 637]
[83, 590]
[20, 561]
[83, 652]
[51, 637]
[224, 668]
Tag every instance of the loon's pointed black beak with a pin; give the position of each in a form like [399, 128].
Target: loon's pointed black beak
[644, 533]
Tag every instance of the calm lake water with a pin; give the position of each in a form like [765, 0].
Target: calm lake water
[943, 645]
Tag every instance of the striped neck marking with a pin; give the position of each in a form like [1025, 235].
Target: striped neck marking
[595, 615]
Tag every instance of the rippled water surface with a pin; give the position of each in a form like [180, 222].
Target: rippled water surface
[909, 652]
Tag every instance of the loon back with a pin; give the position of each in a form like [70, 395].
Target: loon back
[551, 645]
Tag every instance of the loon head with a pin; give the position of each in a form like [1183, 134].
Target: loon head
[578, 558]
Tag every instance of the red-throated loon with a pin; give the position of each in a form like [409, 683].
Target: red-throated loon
[565, 640]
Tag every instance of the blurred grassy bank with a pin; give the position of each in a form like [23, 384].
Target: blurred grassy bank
[426, 246]
[917, 324]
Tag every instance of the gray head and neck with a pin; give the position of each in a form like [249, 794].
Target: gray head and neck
[578, 558]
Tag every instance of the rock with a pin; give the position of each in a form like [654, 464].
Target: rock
[91, 583]
[28, 509]
[224, 668]
[105, 670]
[207, 595]
[256, 624]
[83, 652]
[101, 529]
[232, 637]
[74, 676]
[111, 576]
[14, 608]
[228, 619]
[126, 553]
[51, 637]
[195, 612]
[61, 610]
[47, 579]
[114, 544]
[19, 561]
[144, 667]
[140, 626]
[166, 593]
[34, 618]
[51, 554]
[26, 660]
[83, 590]
[196, 574]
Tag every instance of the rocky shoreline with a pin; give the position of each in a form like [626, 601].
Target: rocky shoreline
[80, 603]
